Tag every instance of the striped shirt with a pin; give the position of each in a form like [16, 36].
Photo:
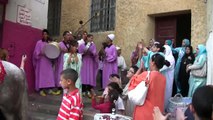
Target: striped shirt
[71, 107]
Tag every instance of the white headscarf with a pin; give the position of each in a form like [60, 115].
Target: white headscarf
[168, 54]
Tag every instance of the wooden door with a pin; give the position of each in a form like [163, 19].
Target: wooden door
[165, 28]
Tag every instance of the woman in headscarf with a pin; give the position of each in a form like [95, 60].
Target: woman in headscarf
[181, 52]
[187, 59]
[168, 72]
[200, 60]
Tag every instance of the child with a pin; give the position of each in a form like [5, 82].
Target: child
[106, 107]
[72, 106]
[4, 55]
[113, 78]
[23, 60]
[121, 62]
[73, 60]
[100, 63]
[119, 105]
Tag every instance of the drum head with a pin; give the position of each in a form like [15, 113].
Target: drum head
[51, 51]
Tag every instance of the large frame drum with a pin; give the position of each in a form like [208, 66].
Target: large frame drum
[52, 50]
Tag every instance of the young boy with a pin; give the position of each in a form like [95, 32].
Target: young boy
[71, 106]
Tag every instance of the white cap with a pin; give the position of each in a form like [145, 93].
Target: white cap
[111, 36]
[118, 48]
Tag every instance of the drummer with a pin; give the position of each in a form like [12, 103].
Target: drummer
[64, 47]
[44, 73]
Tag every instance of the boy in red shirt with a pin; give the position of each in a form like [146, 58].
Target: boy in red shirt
[71, 106]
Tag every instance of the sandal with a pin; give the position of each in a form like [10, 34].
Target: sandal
[42, 93]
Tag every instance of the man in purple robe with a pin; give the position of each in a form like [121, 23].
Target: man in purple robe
[44, 73]
[83, 36]
[64, 47]
[110, 60]
[89, 67]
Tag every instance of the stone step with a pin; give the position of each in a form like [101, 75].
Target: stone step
[40, 116]
[46, 108]
[43, 108]
[39, 111]
[89, 113]
[49, 99]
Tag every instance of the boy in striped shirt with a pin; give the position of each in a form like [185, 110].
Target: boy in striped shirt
[71, 106]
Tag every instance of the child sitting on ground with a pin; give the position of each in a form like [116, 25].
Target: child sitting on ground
[106, 105]
[119, 105]
[113, 78]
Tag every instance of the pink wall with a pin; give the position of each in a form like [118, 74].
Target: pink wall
[4, 1]
[20, 39]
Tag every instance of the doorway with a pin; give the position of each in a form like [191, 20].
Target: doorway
[173, 27]
[183, 28]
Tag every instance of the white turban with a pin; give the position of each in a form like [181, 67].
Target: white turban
[111, 36]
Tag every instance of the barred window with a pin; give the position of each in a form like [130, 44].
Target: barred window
[54, 17]
[103, 15]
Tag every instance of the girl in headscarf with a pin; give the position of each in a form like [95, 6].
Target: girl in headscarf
[73, 60]
[168, 72]
[201, 58]
[187, 59]
[169, 43]
[181, 52]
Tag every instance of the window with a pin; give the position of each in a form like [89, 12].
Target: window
[54, 17]
[103, 15]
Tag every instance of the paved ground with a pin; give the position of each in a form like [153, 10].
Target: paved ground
[46, 108]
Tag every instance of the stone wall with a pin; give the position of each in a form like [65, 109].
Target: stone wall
[72, 12]
[135, 20]
[134, 23]
[209, 16]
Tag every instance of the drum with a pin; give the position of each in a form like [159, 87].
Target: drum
[52, 50]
